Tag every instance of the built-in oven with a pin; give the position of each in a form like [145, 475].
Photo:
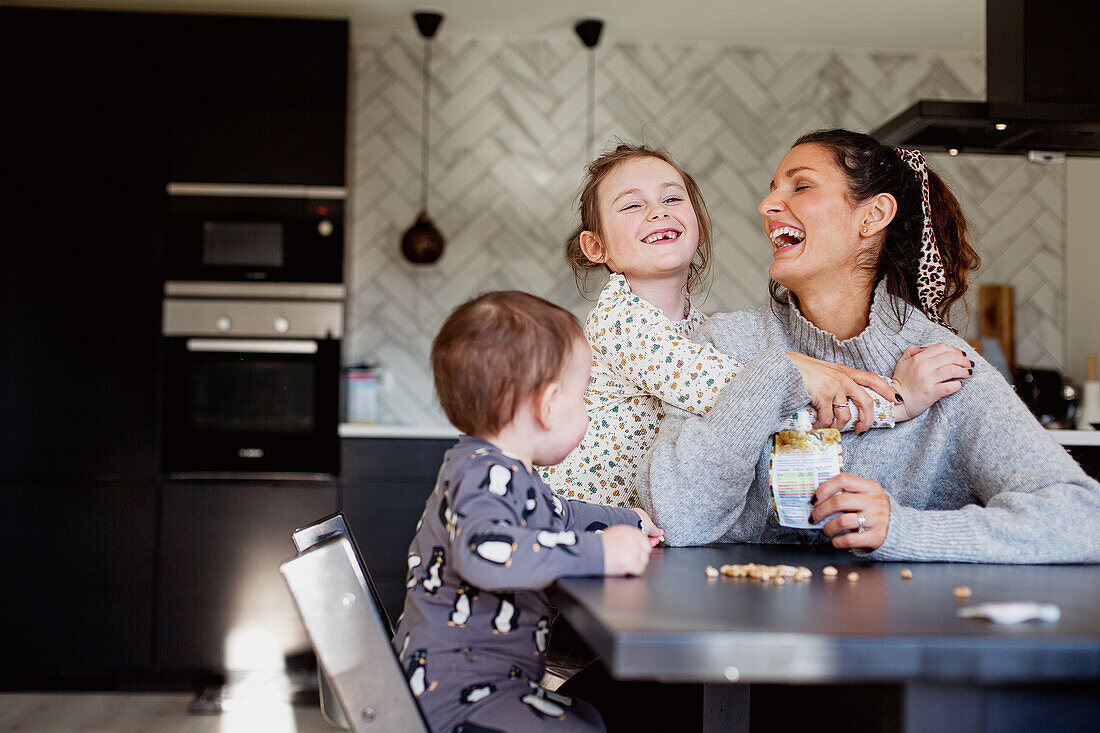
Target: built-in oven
[251, 378]
[255, 232]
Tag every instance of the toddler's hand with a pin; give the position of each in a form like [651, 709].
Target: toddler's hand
[925, 375]
[652, 532]
[625, 550]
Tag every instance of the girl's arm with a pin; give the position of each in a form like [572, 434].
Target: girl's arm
[640, 346]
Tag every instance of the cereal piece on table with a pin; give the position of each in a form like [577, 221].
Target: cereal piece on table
[906, 574]
[963, 592]
[712, 572]
[829, 571]
[803, 574]
[853, 576]
[780, 580]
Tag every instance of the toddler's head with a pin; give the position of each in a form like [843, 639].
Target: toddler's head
[590, 200]
[506, 351]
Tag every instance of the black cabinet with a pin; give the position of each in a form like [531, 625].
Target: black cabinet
[384, 484]
[86, 156]
[258, 100]
[222, 603]
[78, 574]
[78, 383]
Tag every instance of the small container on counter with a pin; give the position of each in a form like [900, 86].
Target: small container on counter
[361, 383]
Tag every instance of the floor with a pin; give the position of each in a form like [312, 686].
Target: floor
[248, 707]
[93, 712]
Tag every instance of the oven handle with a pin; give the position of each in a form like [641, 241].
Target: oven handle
[253, 346]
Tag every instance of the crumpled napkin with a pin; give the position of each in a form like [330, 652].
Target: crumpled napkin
[1012, 612]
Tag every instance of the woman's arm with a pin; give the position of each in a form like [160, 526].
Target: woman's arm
[1032, 503]
[640, 346]
[695, 479]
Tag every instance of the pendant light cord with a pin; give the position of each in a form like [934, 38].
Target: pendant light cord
[591, 102]
[424, 118]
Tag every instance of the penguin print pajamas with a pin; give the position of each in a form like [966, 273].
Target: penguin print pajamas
[476, 624]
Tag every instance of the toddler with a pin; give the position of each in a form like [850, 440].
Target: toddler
[510, 370]
[643, 219]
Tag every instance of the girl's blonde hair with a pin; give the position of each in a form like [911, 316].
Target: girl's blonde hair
[596, 172]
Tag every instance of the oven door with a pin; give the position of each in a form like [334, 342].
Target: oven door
[256, 405]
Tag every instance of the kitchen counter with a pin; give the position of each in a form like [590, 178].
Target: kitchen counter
[385, 430]
[1077, 437]
[388, 430]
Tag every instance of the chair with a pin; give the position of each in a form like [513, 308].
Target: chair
[334, 524]
[305, 538]
[348, 632]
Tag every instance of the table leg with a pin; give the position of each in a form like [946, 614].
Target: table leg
[725, 708]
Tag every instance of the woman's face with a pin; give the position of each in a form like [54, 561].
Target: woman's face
[813, 227]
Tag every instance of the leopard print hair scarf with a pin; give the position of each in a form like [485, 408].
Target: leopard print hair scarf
[931, 280]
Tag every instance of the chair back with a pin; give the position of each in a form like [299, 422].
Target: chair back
[330, 526]
[345, 626]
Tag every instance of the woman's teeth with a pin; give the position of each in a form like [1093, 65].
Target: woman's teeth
[658, 236]
[786, 236]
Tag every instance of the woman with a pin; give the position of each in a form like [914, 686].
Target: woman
[870, 250]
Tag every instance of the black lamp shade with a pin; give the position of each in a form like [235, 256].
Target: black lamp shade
[422, 243]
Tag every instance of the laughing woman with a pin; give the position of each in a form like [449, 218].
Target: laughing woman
[870, 250]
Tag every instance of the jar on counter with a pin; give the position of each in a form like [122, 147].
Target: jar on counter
[361, 383]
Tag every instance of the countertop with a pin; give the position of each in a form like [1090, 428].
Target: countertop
[388, 430]
[385, 430]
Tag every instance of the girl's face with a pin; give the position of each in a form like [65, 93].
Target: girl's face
[813, 226]
[649, 229]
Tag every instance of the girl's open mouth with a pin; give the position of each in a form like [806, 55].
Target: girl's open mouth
[663, 234]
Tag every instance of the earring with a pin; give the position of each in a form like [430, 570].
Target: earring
[864, 230]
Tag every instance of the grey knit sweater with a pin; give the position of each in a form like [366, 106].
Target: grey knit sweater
[975, 478]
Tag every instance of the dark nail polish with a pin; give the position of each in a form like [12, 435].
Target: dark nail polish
[898, 398]
[969, 371]
[810, 519]
[964, 353]
[813, 499]
[971, 362]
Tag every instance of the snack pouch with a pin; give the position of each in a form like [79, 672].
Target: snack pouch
[801, 460]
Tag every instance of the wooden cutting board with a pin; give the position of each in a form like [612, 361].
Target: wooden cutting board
[997, 318]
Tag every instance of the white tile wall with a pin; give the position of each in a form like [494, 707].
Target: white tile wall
[508, 134]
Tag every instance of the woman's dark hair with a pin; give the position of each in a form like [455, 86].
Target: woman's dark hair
[589, 200]
[872, 168]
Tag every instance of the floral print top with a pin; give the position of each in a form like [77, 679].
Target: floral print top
[640, 360]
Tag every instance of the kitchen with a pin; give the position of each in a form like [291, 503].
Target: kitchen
[508, 142]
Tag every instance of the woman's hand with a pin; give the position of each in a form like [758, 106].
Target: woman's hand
[853, 496]
[652, 532]
[924, 376]
[832, 385]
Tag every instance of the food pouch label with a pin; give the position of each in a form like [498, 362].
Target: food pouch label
[802, 460]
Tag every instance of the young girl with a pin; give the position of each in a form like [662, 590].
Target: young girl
[510, 371]
[643, 219]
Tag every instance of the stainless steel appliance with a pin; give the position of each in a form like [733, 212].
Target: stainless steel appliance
[247, 232]
[251, 377]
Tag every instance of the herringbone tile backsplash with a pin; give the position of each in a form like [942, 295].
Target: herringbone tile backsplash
[508, 137]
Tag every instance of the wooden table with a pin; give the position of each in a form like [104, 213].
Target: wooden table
[673, 624]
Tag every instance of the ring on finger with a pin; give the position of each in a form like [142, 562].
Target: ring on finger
[862, 523]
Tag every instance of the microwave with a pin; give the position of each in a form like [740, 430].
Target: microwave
[255, 232]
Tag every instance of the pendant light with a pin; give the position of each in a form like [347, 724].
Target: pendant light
[589, 32]
[422, 242]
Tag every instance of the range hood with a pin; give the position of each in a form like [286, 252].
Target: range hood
[1042, 87]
